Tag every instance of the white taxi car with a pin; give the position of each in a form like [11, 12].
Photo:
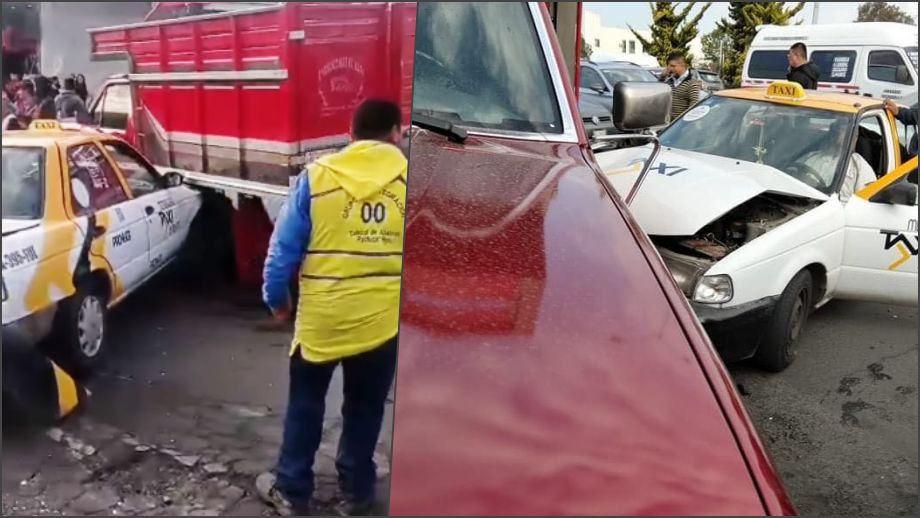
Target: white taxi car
[767, 202]
[86, 220]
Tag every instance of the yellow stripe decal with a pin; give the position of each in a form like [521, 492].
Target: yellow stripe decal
[905, 255]
[875, 187]
[67, 391]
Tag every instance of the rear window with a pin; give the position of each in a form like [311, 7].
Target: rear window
[768, 64]
[481, 65]
[23, 182]
[615, 75]
[836, 66]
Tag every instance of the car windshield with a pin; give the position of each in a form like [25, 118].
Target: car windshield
[23, 180]
[804, 143]
[615, 75]
[912, 54]
[481, 65]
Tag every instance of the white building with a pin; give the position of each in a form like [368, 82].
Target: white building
[609, 43]
[610, 40]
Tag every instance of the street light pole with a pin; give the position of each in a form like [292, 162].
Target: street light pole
[814, 14]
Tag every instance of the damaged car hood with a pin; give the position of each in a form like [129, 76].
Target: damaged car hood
[684, 191]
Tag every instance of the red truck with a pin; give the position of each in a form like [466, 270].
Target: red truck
[548, 363]
[240, 101]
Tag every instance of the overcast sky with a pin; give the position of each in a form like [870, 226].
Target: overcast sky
[637, 14]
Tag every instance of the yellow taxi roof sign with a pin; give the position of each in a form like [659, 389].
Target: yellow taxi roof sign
[786, 90]
[45, 125]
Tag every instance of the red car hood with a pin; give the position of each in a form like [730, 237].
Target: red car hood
[542, 369]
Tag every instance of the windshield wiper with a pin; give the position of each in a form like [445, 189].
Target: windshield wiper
[440, 126]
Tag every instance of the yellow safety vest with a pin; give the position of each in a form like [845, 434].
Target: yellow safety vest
[350, 277]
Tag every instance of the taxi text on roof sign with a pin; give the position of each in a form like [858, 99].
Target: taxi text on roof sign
[786, 90]
[45, 125]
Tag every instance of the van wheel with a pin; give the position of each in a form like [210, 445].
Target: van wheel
[79, 337]
[778, 349]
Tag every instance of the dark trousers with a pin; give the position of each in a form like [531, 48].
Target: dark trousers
[367, 379]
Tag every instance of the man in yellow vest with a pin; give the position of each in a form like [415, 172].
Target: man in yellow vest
[342, 228]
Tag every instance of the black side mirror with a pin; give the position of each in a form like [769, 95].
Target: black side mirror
[598, 87]
[174, 179]
[900, 193]
[640, 105]
[902, 75]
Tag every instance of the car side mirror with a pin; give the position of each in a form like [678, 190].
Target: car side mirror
[640, 105]
[900, 193]
[902, 75]
[598, 87]
[174, 179]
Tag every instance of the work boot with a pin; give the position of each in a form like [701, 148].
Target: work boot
[271, 495]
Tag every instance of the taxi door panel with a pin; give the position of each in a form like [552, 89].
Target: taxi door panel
[880, 253]
[152, 199]
[117, 227]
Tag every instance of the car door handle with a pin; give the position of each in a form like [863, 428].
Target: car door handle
[98, 231]
[149, 210]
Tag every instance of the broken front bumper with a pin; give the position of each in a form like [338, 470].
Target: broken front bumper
[736, 331]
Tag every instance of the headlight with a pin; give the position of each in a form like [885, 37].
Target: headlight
[685, 270]
[714, 289]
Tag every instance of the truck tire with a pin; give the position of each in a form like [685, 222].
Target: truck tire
[80, 334]
[778, 349]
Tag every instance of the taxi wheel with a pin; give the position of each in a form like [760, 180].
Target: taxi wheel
[778, 349]
[80, 334]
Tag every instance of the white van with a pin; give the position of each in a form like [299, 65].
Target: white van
[874, 59]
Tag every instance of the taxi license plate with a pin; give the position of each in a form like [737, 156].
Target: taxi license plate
[598, 133]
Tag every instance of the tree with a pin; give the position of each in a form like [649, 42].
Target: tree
[715, 44]
[741, 27]
[883, 12]
[672, 31]
[586, 50]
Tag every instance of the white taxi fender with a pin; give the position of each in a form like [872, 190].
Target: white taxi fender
[766, 265]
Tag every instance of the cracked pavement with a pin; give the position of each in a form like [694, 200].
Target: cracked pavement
[186, 413]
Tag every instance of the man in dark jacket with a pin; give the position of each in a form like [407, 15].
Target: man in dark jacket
[908, 117]
[69, 105]
[801, 70]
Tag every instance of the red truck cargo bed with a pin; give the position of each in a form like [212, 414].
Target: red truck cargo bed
[252, 93]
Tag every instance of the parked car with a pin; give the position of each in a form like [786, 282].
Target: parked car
[596, 117]
[597, 80]
[876, 59]
[548, 364]
[86, 221]
[713, 81]
[797, 199]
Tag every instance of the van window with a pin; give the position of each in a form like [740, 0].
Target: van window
[836, 66]
[768, 64]
[912, 54]
[884, 64]
[481, 65]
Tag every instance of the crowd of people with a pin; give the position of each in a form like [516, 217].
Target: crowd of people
[39, 97]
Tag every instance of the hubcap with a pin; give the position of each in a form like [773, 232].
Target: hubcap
[90, 326]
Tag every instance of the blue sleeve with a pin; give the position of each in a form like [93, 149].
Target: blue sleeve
[288, 245]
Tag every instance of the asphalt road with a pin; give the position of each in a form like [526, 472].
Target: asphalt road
[841, 422]
[207, 373]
